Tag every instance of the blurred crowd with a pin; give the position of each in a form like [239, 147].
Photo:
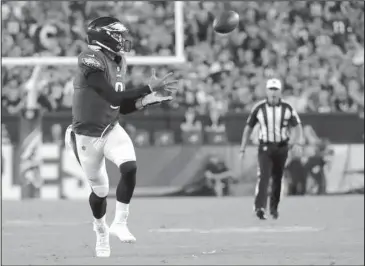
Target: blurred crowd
[315, 47]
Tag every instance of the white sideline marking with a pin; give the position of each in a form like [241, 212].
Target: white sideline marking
[281, 229]
[25, 223]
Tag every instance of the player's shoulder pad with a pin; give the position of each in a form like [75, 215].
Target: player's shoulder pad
[91, 59]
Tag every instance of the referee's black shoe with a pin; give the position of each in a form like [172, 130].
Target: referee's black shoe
[260, 213]
[274, 214]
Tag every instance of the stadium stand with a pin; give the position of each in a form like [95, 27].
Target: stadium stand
[316, 47]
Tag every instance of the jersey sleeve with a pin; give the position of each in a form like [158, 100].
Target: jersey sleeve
[294, 118]
[252, 118]
[89, 62]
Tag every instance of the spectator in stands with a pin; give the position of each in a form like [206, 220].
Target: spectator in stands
[191, 128]
[5, 137]
[10, 99]
[215, 129]
[321, 42]
[191, 123]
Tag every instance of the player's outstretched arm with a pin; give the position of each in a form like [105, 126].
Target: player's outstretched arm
[156, 85]
[147, 100]
[100, 84]
[93, 70]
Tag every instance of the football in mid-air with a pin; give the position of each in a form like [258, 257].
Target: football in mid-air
[226, 22]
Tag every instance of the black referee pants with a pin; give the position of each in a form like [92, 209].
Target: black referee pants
[271, 159]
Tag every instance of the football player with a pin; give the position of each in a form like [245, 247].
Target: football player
[95, 134]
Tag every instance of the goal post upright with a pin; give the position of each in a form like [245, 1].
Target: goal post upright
[179, 30]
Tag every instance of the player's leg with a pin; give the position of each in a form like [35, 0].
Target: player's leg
[119, 149]
[264, 173]
[279, 159]
[92, 161]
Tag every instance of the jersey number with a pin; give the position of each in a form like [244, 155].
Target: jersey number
[119, 86]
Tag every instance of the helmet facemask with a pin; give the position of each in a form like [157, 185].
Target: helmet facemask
[125, 45]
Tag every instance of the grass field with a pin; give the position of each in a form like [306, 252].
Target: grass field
[189, 231]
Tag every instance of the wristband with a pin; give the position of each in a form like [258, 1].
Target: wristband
[139, 103]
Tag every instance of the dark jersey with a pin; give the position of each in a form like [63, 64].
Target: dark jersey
[91, 113]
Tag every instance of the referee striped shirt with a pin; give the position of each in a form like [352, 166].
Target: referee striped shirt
[275, 121]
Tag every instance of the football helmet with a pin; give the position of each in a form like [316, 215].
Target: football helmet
[109, 33]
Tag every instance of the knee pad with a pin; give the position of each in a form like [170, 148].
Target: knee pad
[128, 168]
[101, 191]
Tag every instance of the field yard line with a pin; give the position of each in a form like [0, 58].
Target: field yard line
[254, 229]
[27, 223]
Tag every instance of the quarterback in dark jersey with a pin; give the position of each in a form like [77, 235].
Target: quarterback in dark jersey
[95, 134]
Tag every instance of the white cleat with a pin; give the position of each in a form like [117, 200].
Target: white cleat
[102, 240]
[121, 231]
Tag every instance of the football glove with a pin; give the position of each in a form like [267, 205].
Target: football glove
[162, 84]
[153, 98]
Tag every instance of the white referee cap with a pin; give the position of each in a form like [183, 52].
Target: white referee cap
[273, 83]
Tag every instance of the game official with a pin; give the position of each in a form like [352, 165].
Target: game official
[276, 119]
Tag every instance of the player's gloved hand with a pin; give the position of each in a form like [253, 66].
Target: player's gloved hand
[161, 84]
[153, 98]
